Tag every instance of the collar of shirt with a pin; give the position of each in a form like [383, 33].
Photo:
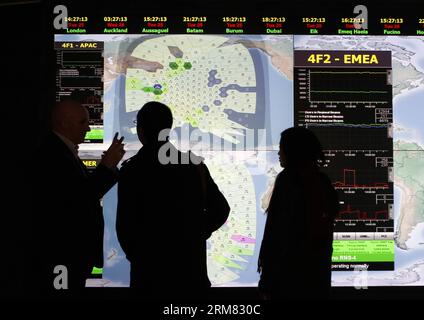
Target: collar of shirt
[69, 144]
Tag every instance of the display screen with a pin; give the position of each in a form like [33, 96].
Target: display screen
[232, 93]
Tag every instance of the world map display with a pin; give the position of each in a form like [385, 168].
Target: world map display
[231, 96]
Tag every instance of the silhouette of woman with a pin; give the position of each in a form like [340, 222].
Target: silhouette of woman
[296, 249]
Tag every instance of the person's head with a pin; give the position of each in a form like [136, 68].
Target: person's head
[70, 119]
[152, 118]
[299, 147]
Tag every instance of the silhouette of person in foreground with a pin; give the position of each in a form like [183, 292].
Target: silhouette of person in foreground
[67, 220]
[167, 208]
[295, 255]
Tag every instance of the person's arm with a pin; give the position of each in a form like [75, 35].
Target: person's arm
[271, 250]
[100, 181]
[106, 174]
[124, 222]
[333, 205]
[216, 206]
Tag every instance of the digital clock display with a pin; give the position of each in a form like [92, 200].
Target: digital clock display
[273, 19]
[234, 19]
[194, 19]
[155, 19]
[115, 19]
[353, 20]
[76, 19]
[313, 19]
[391, 20]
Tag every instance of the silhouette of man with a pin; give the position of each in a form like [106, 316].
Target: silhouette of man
[67, 220]
[166, 212]
[295, 255]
